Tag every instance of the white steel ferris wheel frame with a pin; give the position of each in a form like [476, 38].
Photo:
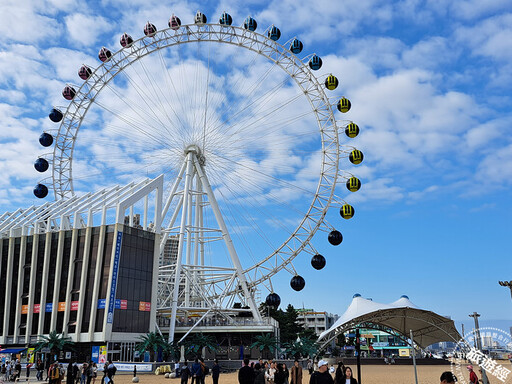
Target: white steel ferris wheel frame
[296, 68]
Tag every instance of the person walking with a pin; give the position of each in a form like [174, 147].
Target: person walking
[47, 366]
[279, 376]
[448, 378]
[94, 370]
[246, 373]
[17, 368]
[70, 379]
[473, 378]
[286, 374]
[89, 372]
[259, 374]
[204, 370]
[111, 372]
[184, 373]
[215, 371]
[39, 370]
[322, 376]
[349, 377]
[76, 377]
[104, 379]
[310, 366]
[29, 365]
[196, 372]
[296, 373]
[83, 373]
[339, 376]
[269, 373]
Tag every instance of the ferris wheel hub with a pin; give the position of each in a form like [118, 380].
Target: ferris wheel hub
[197, 151]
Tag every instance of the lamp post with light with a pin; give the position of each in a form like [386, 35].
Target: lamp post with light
[506, 284]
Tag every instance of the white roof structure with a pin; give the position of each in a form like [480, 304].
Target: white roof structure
[401, 316]
[106, 206]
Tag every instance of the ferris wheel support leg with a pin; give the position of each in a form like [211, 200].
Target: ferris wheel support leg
[188, 253]
[168, 204]
[227, 239]
[171, 224]
[197, 230]
[177, 276]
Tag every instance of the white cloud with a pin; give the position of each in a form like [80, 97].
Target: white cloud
[85, 29]
[25, 21]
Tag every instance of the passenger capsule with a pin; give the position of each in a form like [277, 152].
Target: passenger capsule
[352, 130]
[318, 262]
[226, 19]
[250, 24]
[41, 165]
[273, 300]
[331, 83]
[353, 184]
[315, 63]
[84, 72]
[149, 29]
[126, 40]
[335, 237]
[344, 105]
[41, 191]
[200, 18]
[356, 157]
[46, 139]
[174, 22]
[104, 54]
[297, 283]
[296, 46]
[347, 211]
[274, 33]
[68, 92]
[55, 115]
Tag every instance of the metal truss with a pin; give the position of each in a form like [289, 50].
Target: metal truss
[379, 320]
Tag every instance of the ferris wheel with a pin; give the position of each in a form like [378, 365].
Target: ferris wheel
[246, 129]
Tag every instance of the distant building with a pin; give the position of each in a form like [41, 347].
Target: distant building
[170, 254]
[317, 321]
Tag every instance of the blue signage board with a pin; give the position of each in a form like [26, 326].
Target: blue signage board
[102, 303]
[115, 269]
[95, 355]
[118, 304]
[48, 307]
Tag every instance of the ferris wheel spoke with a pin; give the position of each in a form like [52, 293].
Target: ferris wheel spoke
[242, 91]
[157, 95]
[136, 108]
[241, 109]
[137, 125]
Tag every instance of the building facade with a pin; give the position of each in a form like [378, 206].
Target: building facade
[60, 272]
[317, 321]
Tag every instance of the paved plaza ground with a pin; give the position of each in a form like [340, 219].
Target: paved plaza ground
[371, 374]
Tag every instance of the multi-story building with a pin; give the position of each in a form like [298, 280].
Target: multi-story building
[317, 321]
[66, 267]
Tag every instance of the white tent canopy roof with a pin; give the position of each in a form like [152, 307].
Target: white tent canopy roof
[401, 316]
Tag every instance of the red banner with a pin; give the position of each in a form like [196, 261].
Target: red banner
[74, 305]
[37, 308]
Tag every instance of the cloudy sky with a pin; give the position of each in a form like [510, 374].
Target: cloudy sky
[429, 83]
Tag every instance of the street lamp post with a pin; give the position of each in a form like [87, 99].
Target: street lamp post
[506, 284]
[475, 316]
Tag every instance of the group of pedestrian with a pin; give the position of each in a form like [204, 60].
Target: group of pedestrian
[269, 372]
[198, 371]
[11, 370]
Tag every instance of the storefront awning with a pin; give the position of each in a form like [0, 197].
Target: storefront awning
[13, 350]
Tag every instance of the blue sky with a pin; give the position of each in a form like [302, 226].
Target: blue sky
[429, 83]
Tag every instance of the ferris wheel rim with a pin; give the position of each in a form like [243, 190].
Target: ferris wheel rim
[329, 169]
